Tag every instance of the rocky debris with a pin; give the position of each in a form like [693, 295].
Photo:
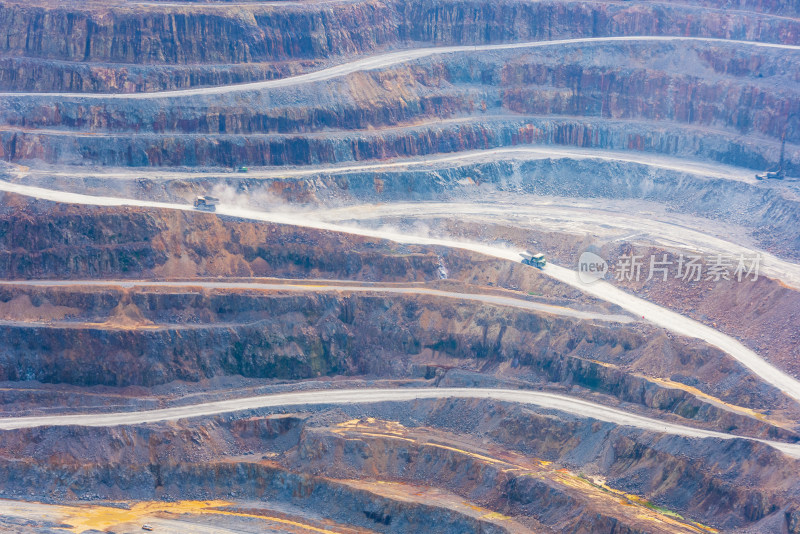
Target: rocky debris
[538, 470]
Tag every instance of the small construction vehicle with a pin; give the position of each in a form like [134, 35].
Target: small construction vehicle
[780, 174]
[534, 260]
[206, 203]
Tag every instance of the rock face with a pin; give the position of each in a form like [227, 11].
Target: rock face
[159, 336]
[674, 98]
[655, 113]
[274, 150]
[292, 337]
[75, 244]
[155, 35]
[314, 460]
[613, 80]
[33, 74]
[592, 102]
[191, 34]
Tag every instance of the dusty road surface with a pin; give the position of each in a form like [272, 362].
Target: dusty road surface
[657, 315]
[525, 153]
[552, 401]
[576, 217]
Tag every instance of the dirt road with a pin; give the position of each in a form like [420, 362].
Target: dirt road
[387, 60]
[662, 317]
[329, 287]
[553, 401]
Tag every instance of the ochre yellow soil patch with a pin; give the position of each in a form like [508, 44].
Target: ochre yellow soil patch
[82, 518]
[103, 517]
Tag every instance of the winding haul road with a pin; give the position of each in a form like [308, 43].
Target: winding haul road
[387, 60]
[575, 218]
[662, 317]
[320, 287]
[551, 401]
[330, 221]
[525, 153]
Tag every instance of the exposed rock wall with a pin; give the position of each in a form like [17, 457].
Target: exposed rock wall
[183, 35]
[473, 21]
[273, 149]
[234, 150]
[309, 456]
[305, 336]
[65, 242]
[458, 85]
[37, 75]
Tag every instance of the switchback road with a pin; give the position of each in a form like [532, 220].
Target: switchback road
[654, 313]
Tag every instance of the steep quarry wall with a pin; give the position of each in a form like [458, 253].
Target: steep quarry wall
[52, 241]
[34, 74]
[441, 137]
[188, 34]
[601, 81]
[475, 21]
[317, 456]
[72, 48]
[620, 95]
[450, 465]
[756, 312]
[154, 338]
[184, 35]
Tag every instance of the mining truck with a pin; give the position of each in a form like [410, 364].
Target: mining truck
[206, 203]
[780, 174]
[534, 260]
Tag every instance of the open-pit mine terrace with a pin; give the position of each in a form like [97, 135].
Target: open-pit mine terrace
[349, 343]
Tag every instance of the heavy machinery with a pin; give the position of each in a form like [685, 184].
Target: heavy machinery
[206, 203]
[780, 174]
[534, 260]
